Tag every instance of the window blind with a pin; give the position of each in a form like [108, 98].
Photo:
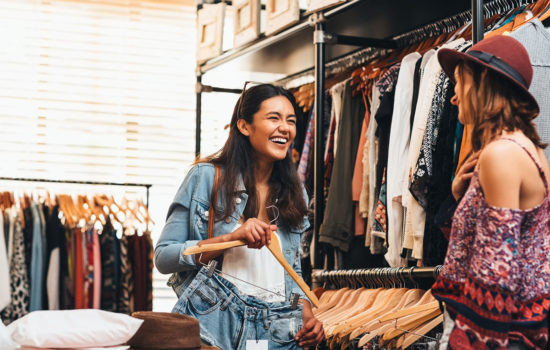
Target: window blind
[99, 91]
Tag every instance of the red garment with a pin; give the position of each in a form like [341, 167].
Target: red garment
[89, 272]
[140, 266]
[357, 180]
[78, 271]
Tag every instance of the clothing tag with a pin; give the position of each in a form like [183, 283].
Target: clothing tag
[256, 345]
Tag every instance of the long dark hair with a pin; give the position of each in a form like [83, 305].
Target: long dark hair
[237, 158]
[495, 105]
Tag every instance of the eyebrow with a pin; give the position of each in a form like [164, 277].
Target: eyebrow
[279, 114]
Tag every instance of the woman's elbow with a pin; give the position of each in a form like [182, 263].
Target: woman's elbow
[161, 262]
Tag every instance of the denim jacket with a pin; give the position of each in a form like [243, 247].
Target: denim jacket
[187, 224]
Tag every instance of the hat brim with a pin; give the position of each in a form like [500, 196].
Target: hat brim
[449, 59]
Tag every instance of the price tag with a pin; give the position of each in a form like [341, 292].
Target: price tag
[256, 345]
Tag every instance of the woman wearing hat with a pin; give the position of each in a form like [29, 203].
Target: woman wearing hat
[495, 283]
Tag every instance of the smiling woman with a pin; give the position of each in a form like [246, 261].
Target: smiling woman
[256, 174]
[275, 122]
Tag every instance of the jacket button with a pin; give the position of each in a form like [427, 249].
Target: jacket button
[238, 201]
[206, 213]
[227, 220]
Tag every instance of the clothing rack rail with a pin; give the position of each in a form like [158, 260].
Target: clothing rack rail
[377, 277]
[124, 184]
[363, 55]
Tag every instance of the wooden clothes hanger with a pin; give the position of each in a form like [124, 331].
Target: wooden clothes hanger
[379, 305]
[275, 249]
[348, 300]
[330, 303]
[417, 333]
[426, 303]
[378, 328]
[403, 326]
[365, 300]
[410, 297]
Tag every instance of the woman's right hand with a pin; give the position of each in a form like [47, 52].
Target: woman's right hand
[254, 231]
[463, 176]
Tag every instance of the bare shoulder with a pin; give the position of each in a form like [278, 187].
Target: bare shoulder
[501, 165]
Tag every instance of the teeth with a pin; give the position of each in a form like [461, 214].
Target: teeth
[279, 140]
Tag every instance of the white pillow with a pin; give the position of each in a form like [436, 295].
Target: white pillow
[6, 343]
[73, 328]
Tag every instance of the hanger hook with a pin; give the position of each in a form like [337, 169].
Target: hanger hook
[275, 212]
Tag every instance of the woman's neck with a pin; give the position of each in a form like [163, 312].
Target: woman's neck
[262, 172]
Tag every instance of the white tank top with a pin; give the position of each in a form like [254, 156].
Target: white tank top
[258, 267]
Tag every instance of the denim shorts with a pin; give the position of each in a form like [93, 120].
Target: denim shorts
[228, 318]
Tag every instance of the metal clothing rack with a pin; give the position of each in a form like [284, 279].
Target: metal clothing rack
[377, 277]
[321, 38]
[124, 184]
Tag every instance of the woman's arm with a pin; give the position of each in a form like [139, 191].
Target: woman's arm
[178, 233]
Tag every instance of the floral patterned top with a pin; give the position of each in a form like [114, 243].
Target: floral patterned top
[496, 277]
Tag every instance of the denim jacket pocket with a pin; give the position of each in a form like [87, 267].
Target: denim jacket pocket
[201, 220]
[203, 300]
[283, 330]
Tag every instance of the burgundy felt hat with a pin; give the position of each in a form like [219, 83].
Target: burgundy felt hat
[500, 53]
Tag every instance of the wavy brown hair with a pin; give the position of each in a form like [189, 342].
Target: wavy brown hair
[493, 105]
[237, 158]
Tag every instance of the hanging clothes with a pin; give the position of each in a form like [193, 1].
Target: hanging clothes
[536, 40]
[54, 238]
[336, 92]
[357, 180]
[398, 152]
[337, 227]
[308, 143]
[109, 290]
[429, 104]
[378, 138]
[19, 277]
[37, 262]
[127, 283]
[5, 292]
[142, 248]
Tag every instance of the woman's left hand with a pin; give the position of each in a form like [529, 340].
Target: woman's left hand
[312, 332]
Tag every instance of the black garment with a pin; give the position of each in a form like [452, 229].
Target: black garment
[6, 221]
[53, 229]
[55, 235]
[310, 173]
[301, 130]
[109, 292]
[416, 90]
[439, 186]
[383, 118]
[65, 301]
[27, 236]
[338, 223]
[360, 257]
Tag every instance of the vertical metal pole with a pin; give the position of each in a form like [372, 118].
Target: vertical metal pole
[319, 171]
[198, 107]
[147, 202]
[477, 20]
